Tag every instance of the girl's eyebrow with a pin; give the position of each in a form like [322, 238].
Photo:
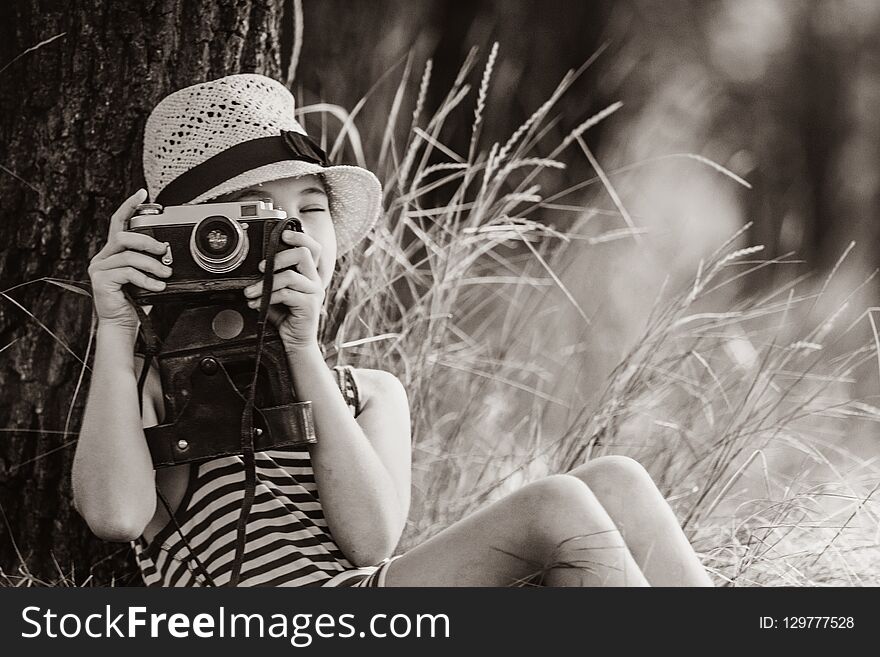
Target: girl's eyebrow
[255, 192]
[314, 190]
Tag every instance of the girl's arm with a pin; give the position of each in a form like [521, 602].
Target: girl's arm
[362, 467]
[113, 484]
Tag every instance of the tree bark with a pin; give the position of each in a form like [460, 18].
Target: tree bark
[72, 114]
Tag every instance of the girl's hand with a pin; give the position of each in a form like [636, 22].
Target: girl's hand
[124, 260]
[297, 296]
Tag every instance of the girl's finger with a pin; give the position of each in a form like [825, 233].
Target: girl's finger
[135, 259]
[295, 238]
[284, 259]
[125, 240]
[126, 211]
[122, 275]
[286, 297]
[299, 257]
[140, 242]
[289, 279]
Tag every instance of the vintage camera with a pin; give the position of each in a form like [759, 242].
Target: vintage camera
[207, 337]
[214, 248]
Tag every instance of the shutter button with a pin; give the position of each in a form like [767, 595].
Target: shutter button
[209, 366]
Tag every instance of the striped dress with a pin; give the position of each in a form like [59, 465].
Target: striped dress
[288, 541]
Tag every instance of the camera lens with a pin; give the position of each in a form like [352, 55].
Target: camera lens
[217, 240]
[218, 244]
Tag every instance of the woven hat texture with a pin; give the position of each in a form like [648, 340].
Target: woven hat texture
[195, 123]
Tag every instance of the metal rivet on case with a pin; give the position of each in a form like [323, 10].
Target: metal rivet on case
[258, 432]
[209, 365]
[182, 444]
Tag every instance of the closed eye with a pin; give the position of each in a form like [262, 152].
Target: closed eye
[314, 209]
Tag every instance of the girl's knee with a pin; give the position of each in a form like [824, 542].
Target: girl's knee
[560, 508]
[552, 501]
[554, 492]
[614, 473]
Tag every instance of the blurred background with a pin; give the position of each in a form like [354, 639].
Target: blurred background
[780, 92]
[713, 126]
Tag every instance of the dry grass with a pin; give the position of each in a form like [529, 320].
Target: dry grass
[737, 404]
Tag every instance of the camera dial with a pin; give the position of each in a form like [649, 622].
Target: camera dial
[218, 244]
[148, 209]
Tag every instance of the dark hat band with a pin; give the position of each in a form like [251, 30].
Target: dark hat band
[238, 159]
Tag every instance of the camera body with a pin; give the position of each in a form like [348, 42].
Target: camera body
[214, 248]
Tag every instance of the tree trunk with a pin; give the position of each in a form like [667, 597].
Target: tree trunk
[72, 114]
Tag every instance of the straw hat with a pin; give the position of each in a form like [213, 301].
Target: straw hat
[239, 131]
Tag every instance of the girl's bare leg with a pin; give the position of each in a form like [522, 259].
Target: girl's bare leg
[647, 523]
[557, 520]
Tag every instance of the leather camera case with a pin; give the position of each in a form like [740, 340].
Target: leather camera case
[205, 378]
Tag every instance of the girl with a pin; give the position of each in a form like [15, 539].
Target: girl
[331, 514]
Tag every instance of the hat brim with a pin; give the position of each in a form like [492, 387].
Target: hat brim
[355, 194]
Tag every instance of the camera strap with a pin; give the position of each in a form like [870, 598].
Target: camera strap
[152, 345]
[247, 417]
[200, 568]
